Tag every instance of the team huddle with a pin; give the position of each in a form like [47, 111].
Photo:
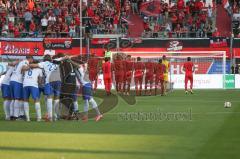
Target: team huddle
[28, 77]
[32, 78]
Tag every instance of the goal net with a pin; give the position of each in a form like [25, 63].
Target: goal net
[210, 66]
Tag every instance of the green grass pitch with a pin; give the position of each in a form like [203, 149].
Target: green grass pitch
[212, 133]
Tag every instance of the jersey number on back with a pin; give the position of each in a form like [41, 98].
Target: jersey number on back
[29, 72]
[52, 67]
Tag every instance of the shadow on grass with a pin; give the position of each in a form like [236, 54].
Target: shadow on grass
[108, 102]
[55, 150]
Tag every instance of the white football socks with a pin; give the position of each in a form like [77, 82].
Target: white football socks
[94, 106]
[86, 106]
[21, 108]
[12, 108]
[6, 108]
[16, 108]
[49, 108]
[56, 108]
[75, 106]
[26, 110]
[38, 111]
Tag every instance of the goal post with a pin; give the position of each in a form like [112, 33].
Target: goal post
[211, 66]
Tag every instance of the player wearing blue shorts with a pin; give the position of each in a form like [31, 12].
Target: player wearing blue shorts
[87, 93]
[49, 88]
[6, 93]
[16, 85]
[30, 88]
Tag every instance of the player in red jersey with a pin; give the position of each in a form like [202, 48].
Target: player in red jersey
[149, 76]
[128, 74]
[93, 68]
[107, 75]
[138, 75]
[118, 68]
[159, 71]
[189, 68]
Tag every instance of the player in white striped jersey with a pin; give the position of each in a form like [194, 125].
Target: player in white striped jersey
[6, 93]
[48, 68]
[16, 85]
[30, 87]
[87, 94]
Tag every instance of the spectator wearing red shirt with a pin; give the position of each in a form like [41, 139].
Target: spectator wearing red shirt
[187, 9]
[216, 33]
[30, 5]
[203, 17]
[198, 5]
[32, 26]
[198, 23]
[180, 4]
[90, 12]
[96, 20]
[190, 20]
[16, 32]
[77, 20]
[146, 26]
[116, 22]
[39, 9]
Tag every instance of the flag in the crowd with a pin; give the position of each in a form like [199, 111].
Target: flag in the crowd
[129, 22]
[225, 4]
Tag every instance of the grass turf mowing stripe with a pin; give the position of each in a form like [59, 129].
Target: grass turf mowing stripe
[94, 144]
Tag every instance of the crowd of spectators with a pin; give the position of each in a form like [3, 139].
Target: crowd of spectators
[61, 18]
[37, 18]
[190, 19]
[105, 16]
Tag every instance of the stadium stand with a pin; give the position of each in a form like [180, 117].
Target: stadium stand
[37, 18]
[153, 18]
